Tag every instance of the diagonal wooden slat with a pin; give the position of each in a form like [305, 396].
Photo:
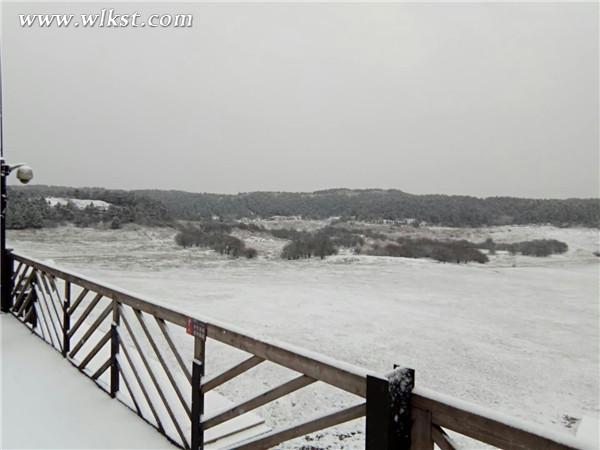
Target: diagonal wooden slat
[165, 331]
[131, 394]
[39, 324]
[43, 303]
[29, 314]
[155, 381]
[52, 289]
[43, 316]
[101, 370]
[84, 315]
[78, 300]
[94, 351]
[21, 269]
[441, 439]
[16, 272]
[162, 362]
[25, 302]
[52, 281]
[141, 385]
[91, 330]
[48, 300]
[276, 437]
[21, 278]
[61, 298]
[255, 402]
[231, 373]
[52, 301]
[24, 288]
[44, 278]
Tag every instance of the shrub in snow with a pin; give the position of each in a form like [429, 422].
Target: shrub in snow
[443, 251]
[310, 245]
[225, 244]
[536, 247]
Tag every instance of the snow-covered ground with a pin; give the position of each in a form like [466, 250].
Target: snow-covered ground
[519, 334]
[46, 403]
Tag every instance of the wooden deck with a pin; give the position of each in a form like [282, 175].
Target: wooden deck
[47, 404]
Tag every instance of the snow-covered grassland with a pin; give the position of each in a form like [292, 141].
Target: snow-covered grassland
[519, 334]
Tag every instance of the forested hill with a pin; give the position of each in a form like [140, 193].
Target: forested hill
[40, 206]
[376, 204]
[159, 207]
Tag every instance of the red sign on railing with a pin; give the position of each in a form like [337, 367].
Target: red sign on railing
[196, 328]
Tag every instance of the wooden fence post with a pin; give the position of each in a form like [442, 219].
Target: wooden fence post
[6, 283]
[197, 394]
[421, 437]
[66, 320]
[388, 410]
[114, 350]
[33, 320]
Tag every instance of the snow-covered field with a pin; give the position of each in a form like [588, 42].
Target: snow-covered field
[519, 334]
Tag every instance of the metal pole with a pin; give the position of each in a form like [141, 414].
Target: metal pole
[5, 274]
[5, 300]
[1, 122]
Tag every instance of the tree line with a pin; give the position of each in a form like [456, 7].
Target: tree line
[535, 247]
[463, 251]
[377, 204]
[154, 207]
[28, 208]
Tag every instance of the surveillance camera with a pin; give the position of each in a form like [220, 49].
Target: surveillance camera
[24, 174]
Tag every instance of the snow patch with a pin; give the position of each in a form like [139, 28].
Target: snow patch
[77, 202]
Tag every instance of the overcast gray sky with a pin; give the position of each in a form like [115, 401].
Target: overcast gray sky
[478, 99]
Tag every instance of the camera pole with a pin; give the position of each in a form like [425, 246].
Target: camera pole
[5, 272]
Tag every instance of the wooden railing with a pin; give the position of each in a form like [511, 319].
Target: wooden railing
[126, 344]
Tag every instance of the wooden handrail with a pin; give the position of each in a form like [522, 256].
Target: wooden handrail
[489, 426]
[336, 373]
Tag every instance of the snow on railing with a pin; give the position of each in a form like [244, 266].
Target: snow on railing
[129, 338]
